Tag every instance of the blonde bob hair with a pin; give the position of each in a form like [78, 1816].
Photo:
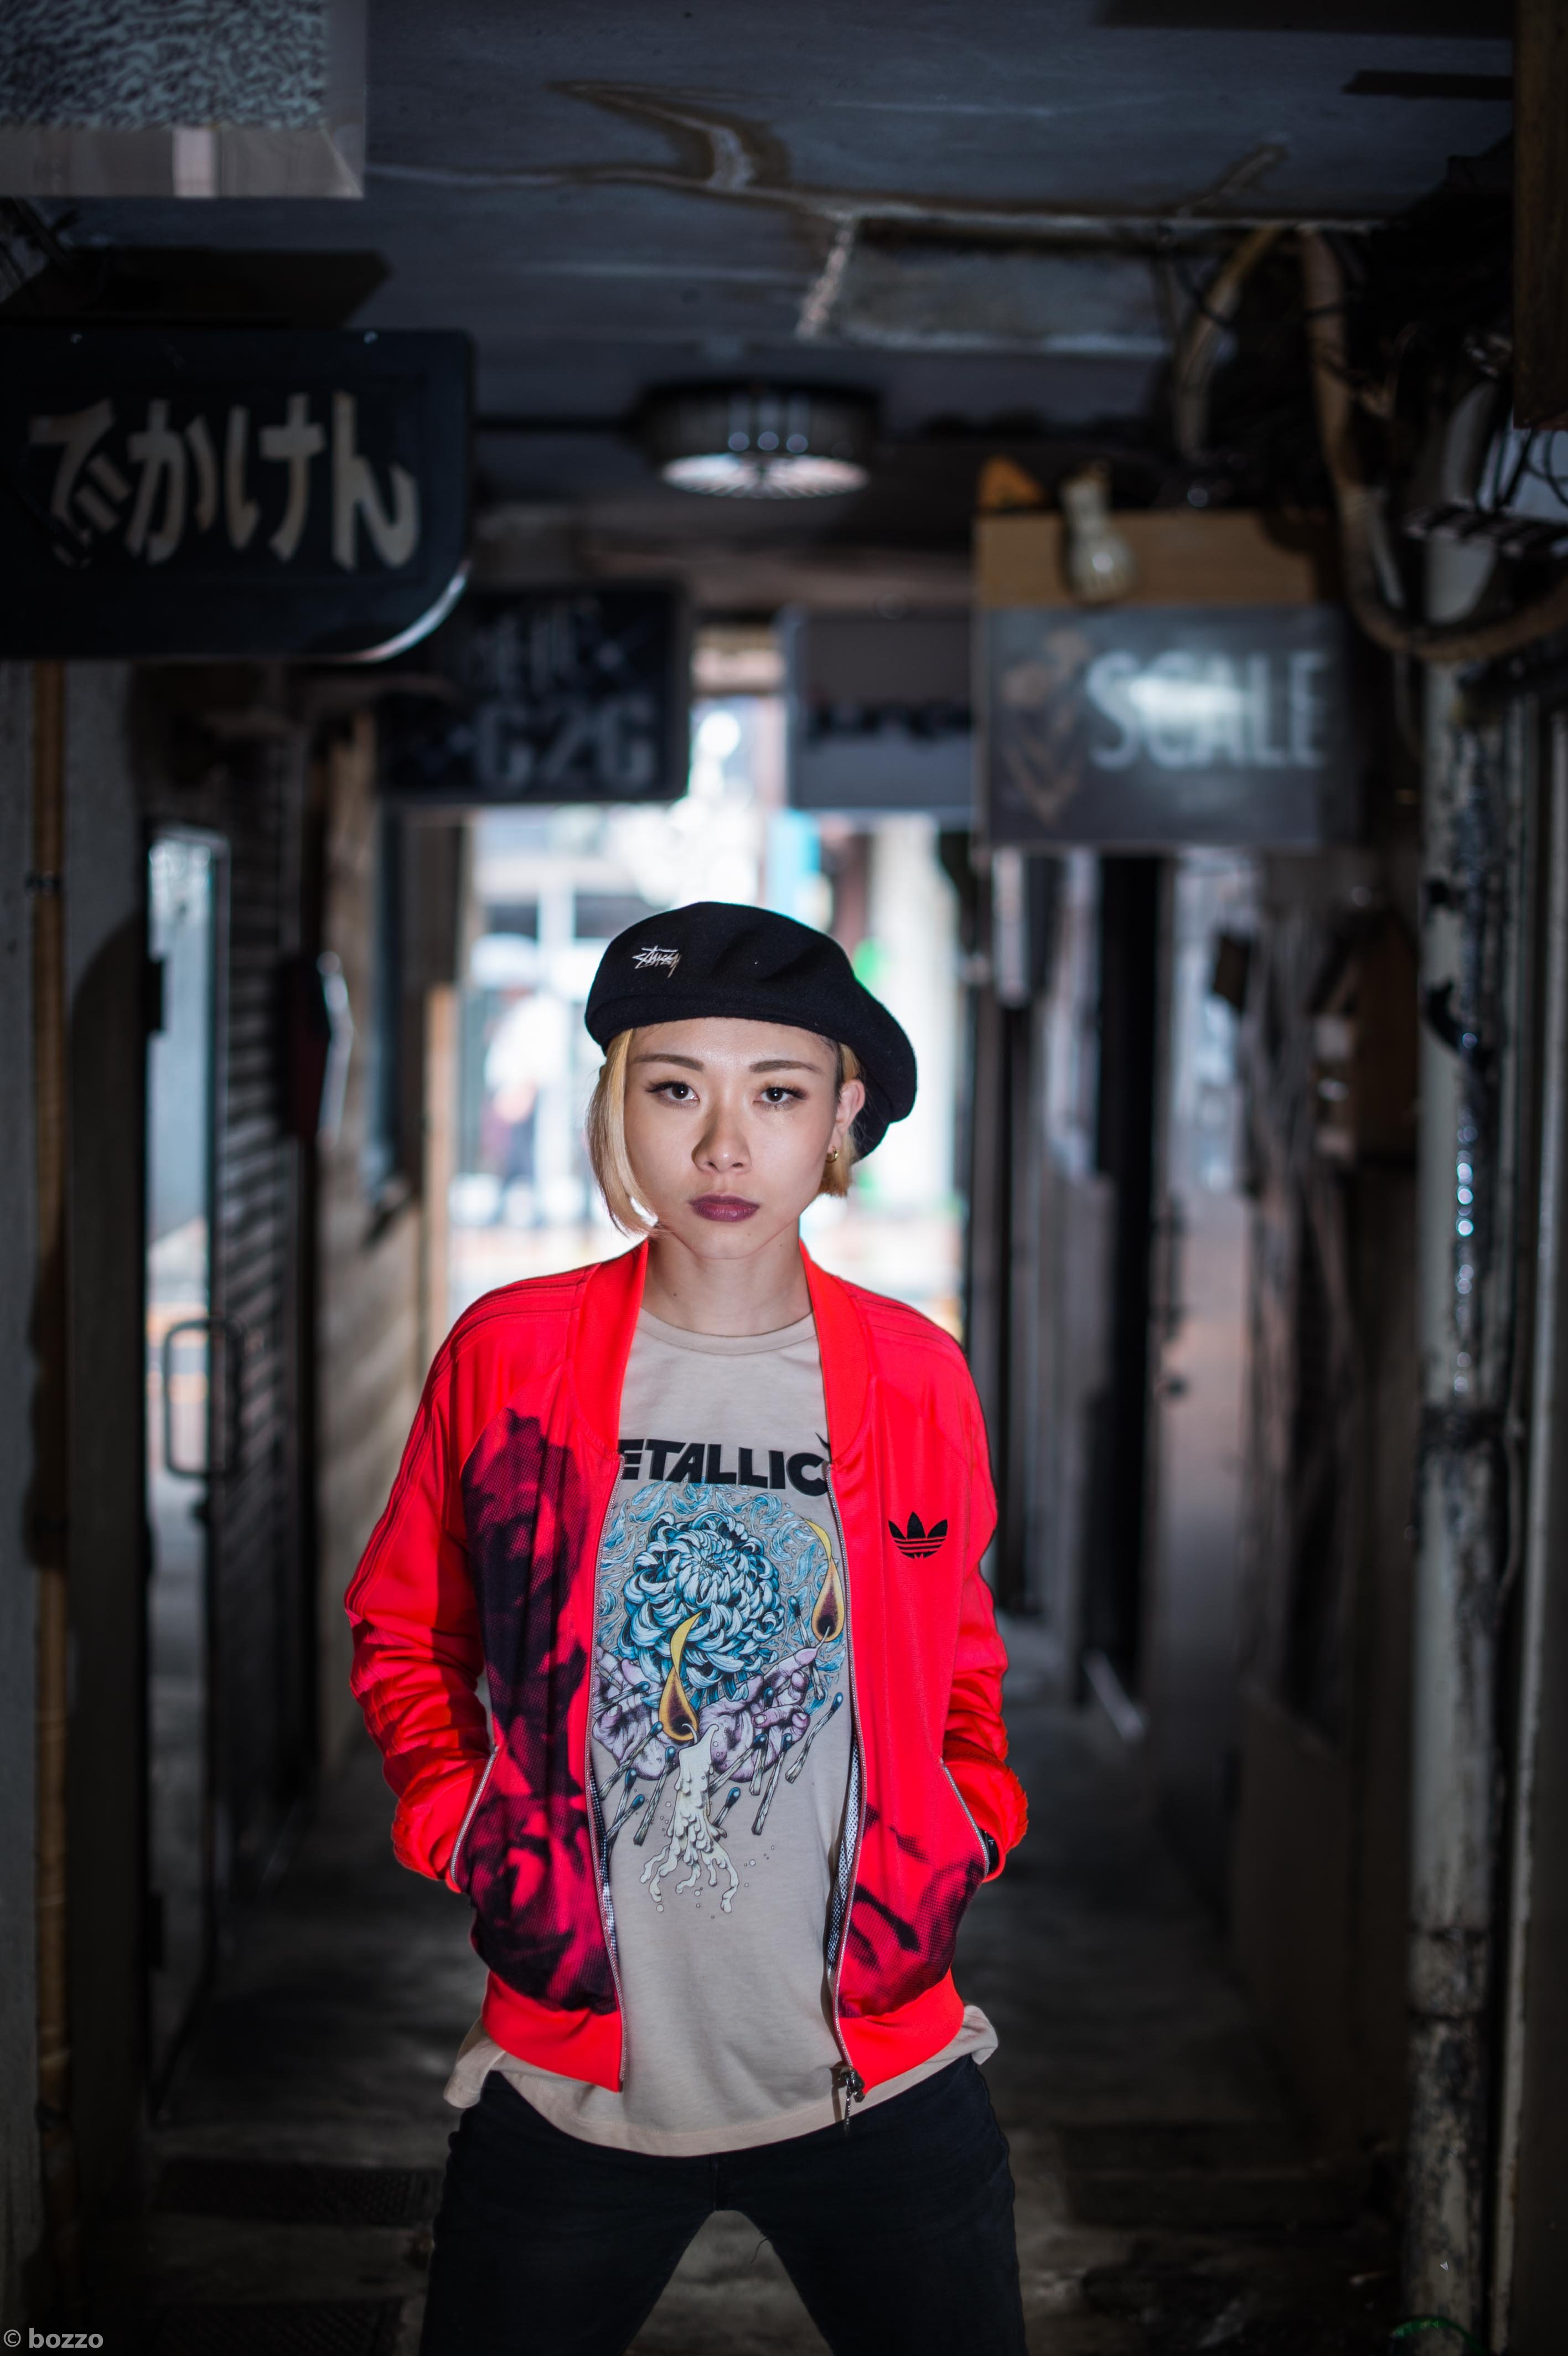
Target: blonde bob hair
[607, 1136]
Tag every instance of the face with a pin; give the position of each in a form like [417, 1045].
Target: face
[728, 1126]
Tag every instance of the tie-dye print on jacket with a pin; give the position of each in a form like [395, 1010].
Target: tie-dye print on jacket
[484, 1562]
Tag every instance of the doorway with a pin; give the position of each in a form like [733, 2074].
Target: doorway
[185, 1409]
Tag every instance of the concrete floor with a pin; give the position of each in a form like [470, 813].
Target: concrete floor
[1165, 2203]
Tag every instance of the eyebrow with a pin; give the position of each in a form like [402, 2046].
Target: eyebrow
[695, 1062]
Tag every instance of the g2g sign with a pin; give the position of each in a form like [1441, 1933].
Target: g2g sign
[574, 695]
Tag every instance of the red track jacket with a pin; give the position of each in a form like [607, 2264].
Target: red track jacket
[485, 1561]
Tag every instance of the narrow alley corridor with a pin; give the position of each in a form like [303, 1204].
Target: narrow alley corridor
[845, 732]
[1165, 2204]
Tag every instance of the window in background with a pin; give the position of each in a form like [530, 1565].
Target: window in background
[551, 888]
[899, 1229]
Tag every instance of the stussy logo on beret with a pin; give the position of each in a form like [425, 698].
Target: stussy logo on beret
[667, 959]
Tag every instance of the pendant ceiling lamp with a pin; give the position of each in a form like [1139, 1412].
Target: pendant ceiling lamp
[760, 442]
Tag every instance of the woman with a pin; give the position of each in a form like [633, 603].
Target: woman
[708, 1521]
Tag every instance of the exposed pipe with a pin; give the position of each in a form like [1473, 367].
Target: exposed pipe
[1200, 347]
[49, 1501]
[1357, 501]
[1472, 866]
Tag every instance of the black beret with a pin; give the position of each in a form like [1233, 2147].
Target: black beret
[717, 957]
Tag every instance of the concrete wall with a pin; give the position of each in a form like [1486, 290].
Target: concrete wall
[106, 948]
[1381, 1735]
[369, 1304]
[20, 2203]
[1319, 1886]
[1321, 1877]
[1536, 2321]
[369, 1370]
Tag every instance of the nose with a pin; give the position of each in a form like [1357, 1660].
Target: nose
[721, 1147]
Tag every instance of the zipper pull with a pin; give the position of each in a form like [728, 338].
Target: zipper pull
[848, 2084]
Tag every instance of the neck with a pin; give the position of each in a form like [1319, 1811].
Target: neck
[755, 1295]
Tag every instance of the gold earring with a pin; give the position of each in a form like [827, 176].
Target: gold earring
[833, 1156]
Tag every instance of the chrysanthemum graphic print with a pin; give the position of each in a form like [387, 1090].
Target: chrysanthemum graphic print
[721, 1655]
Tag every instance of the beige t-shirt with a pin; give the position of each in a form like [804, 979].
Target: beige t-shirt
[721, 1754]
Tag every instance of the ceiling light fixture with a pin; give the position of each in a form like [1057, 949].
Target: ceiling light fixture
[760, 442]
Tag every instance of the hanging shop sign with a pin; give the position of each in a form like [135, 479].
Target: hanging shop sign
[569, 695]
[880, 718]
[267, 494]
[1142, 727]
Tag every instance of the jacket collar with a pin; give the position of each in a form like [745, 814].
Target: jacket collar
[607, 1322]
[846, 1360]
[600, 1342]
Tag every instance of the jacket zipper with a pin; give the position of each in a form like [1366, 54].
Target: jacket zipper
[846, 2079]
[468, 1818]
[979, 1836]
[596, 1812]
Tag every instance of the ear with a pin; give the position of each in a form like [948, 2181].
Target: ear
[851, 1097]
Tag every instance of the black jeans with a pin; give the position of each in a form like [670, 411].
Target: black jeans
[896, 2231]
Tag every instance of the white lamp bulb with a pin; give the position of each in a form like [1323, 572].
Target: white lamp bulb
[1101, 567]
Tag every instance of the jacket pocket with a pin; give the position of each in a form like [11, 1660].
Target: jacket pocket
[455, 1863]
[975, 1832]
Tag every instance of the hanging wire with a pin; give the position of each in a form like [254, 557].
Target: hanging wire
[1197, 297]
[1543, 470]
[1522, 466]
[1358, 501]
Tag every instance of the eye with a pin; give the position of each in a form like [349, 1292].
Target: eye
[778, 1094]
[677, 1091]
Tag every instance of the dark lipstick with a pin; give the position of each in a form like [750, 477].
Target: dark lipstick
[723, 1206]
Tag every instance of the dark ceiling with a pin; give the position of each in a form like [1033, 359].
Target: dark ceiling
[610, 196]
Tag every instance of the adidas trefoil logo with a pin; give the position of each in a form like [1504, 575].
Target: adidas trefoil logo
[917, 1541]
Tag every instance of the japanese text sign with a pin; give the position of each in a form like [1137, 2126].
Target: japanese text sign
[1142, 726]
[569, 695]
[216, 492]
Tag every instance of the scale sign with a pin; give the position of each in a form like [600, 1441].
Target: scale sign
[1147, 727]
[243, 492]
[567, 695]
